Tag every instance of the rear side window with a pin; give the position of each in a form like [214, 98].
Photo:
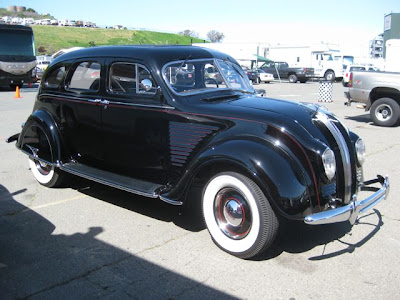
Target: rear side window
[131, 79]
[55, 78]
[85, 77]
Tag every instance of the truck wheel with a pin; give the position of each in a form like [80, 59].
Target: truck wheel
[329, 75]
[238, 215]
[292, 78]
[385, 112]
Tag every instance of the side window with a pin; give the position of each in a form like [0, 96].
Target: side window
[147, 85]
[131, 79]
[85, 77]
[55, 78]
[123, 78]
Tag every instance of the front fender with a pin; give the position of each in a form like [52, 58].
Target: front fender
[40, 137]
[278, 173]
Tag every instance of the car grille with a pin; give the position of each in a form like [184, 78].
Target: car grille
[336, 129]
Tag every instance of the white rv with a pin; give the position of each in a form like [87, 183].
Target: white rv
[326, 60]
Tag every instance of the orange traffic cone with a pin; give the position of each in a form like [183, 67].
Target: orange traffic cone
[17, 94]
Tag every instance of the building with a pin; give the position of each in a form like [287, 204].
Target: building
[376, 47]
[391, 29]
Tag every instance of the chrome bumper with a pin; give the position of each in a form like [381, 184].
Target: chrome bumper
[351, 211]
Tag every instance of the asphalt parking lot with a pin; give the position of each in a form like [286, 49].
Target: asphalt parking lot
[91, 241]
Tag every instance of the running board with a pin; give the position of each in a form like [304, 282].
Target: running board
[135, 186]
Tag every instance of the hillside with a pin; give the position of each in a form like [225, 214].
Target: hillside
[49, 39]
[29, 13]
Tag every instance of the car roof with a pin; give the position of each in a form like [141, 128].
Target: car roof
[158, 54]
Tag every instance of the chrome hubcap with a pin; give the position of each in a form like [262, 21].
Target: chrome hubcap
[42, 167]
[232, 213]
[383, 112]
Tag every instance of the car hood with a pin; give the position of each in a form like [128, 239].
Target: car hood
[280, 113]
[299, 111]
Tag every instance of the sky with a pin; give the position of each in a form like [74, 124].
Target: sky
[351, 24]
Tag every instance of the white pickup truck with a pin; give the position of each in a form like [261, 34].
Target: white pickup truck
[378, 92]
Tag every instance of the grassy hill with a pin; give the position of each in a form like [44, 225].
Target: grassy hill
[50, 39]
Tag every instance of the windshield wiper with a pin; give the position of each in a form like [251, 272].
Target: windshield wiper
[181, 66]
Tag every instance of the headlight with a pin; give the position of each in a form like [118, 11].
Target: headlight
[329, 161]
[360, 150]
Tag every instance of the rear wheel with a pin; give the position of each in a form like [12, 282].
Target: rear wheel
[238, 215]
[46, 174]
[330, 75]
[385, 112]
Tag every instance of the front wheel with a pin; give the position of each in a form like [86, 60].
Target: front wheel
[45, 174]
[385, 112]
[238, 215]
[292, 78]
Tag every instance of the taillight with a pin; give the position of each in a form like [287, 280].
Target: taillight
[350, 84]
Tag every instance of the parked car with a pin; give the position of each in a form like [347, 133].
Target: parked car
[353, 68]
[378, 92]
[43, 64]
[141, 127]
[264, 76]
[253, 76]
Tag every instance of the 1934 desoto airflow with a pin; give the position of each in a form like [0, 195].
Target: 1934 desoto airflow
[157, 120]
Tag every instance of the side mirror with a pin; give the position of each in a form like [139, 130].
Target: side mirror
[261, 92]
[146, 84]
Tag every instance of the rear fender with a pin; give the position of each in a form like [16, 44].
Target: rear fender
[40, 138]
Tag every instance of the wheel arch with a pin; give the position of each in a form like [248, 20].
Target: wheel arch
[31, 141]
[383, 92]
[268, 166]
[329, 71]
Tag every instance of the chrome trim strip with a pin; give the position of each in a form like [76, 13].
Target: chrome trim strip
[344, 152]
[351, 211]
[169, 201]
[91, 101]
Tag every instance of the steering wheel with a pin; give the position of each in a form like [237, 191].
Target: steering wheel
[211, 81]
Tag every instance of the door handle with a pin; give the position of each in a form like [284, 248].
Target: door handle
[95, 101]
[105, 102]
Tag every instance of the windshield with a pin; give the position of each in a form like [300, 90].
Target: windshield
[16, 43]
[194, 76]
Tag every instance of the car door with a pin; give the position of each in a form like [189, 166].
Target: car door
[134, 124]
[80, 111]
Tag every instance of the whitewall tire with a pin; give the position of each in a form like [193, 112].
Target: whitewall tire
[238, 215]
[45, 174]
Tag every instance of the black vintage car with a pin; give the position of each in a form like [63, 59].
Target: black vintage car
[149, 120]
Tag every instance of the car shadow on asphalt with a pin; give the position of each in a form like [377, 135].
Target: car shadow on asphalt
[36, 262]
[293, 236]
[298, 237]
[365, 118]
[186, 217]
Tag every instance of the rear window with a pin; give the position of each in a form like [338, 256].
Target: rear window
[55, 77]
[85, 77]
[357, 68]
